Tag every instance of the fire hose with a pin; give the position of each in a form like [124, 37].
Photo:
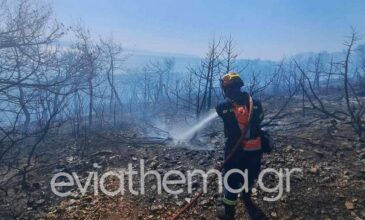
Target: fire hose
[219, 167]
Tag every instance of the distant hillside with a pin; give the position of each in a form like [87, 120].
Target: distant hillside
[138, 59]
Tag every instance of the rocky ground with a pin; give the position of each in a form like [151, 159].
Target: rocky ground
[330, 186]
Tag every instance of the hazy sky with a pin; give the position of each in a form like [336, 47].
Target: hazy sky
[266, 29]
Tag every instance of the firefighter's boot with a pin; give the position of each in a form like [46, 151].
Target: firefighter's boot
[226, 212]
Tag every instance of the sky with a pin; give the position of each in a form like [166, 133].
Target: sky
[262, 29]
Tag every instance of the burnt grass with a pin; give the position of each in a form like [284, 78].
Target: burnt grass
[330, 186]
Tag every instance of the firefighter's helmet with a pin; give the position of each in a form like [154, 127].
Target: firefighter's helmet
[230, 79]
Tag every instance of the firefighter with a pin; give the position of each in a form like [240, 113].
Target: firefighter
[239, 113]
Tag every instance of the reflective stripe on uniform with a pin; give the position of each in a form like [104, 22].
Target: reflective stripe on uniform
[252, 144]
[229, 202]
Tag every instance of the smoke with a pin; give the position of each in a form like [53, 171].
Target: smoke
[187, 134]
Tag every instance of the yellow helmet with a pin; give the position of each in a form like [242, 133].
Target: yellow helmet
[231, 78]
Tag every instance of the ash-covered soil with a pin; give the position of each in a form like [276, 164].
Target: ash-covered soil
[330, 186]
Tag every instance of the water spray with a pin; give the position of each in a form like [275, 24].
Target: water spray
[191, 131]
